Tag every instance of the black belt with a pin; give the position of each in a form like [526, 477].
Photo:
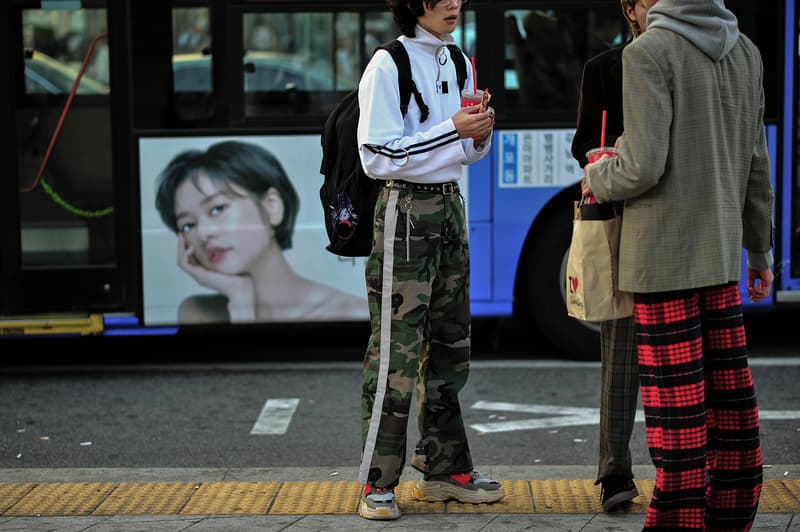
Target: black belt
[451, 187]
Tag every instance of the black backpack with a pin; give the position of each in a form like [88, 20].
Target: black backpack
[348, 194]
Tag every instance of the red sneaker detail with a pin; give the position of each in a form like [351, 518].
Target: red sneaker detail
[369, 489]
[462, 478]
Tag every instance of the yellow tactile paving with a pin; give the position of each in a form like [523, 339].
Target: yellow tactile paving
[11, 493]
[309, 498]
[62, 499]
[229, 498]
[777, 498]
[793, 486]
[565, 496]
[410, 505]
[320, 498]
[164, 498]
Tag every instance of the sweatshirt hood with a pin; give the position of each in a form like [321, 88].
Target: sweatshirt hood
[707, 24]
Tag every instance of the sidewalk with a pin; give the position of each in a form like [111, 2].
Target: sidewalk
[547, 498]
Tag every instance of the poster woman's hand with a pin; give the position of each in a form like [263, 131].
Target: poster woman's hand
[238, 289]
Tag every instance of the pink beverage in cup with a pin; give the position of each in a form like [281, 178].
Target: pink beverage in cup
[594, 155]
[471, 97]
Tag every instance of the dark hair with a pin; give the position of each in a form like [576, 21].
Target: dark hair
[230, 163]
[634, 24]
[405, 13]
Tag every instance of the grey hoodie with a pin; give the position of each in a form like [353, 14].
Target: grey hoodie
[707, 24]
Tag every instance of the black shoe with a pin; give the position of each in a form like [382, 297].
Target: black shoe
[616, 491]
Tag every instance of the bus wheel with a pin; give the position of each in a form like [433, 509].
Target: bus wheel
[546, 290]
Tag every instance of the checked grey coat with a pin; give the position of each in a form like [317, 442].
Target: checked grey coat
[692, 165]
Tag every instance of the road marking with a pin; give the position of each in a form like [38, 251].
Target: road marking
[571, 416]
[275, 416]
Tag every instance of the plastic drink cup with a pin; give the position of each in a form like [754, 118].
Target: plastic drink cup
[470, 97]
[595, 154]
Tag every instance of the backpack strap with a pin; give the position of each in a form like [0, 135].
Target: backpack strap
[461, 65]
[406, 84]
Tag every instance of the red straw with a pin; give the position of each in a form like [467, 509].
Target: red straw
[603, 131]
[474, 77]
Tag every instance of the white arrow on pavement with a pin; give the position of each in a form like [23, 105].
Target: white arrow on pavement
[570, 416]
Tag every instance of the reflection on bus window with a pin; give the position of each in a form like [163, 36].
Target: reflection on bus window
[348, 51]
[191, 61]
[267, 32]
[295, 63]
[46, 75]
[190, 30]
[465, 35]
[55, 42]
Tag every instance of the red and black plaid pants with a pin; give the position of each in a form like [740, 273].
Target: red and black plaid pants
[700, 409]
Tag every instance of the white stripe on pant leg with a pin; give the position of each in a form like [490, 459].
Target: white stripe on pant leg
[390, 227]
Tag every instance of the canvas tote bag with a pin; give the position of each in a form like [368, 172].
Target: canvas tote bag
[592, 265]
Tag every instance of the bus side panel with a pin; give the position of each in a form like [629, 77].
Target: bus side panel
[516, 210]
[480, 251]
[480, 181]
[532, 167]
[772, 145]
[478, 198]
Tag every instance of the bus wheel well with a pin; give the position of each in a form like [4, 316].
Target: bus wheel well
[539, 290]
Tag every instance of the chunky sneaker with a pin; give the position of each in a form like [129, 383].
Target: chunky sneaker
[463, 487]
[616, 491]
[378, 503]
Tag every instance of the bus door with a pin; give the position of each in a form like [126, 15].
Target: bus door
[59, 252]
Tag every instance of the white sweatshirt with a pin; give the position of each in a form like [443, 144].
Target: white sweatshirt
[391, 147]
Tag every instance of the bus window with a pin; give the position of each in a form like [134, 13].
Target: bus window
[191, 63]
[348, 52]
[296, 57]
[546, 50]
[64, 154]
[292, 59]
[378, 28]
[190, 31]
[464, 35]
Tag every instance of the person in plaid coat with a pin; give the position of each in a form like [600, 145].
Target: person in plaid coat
[694, 172]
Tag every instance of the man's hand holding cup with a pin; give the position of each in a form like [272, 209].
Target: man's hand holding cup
[478, 120]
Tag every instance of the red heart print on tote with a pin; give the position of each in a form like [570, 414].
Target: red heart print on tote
[574, 282]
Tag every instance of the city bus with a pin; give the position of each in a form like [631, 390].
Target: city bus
[101, 100]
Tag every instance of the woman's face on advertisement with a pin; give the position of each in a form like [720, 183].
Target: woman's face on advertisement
[228, 231]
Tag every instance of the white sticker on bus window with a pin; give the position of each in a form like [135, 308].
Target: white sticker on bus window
[537, 158]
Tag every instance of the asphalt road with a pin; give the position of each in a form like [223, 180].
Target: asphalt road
[205, 415]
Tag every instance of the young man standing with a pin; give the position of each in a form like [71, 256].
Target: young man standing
[418, 271]
[694, 172]
[601, 90]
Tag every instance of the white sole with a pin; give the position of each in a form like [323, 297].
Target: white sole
[378, 514]
[437, 491]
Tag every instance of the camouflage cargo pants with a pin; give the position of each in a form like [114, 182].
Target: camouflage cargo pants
[418, 291]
